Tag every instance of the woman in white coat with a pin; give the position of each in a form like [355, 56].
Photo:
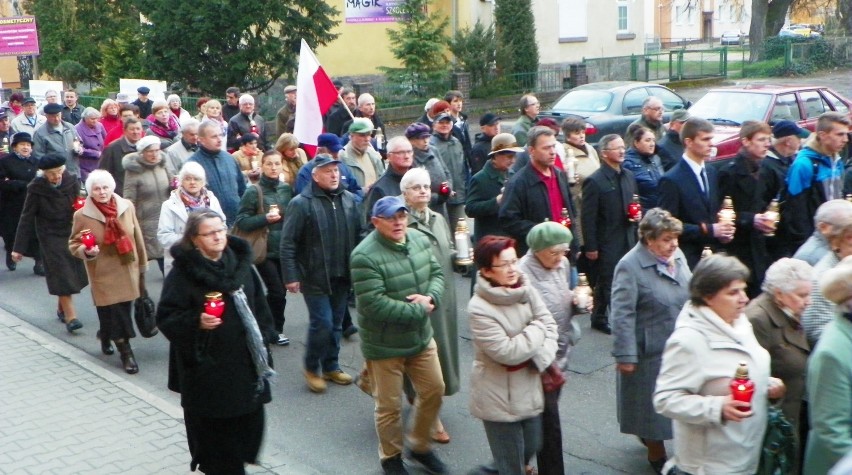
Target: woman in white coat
[191, 195]
[515, 340]
[713, 433]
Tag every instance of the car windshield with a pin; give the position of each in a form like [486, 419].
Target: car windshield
[584, 100]
[726, 107]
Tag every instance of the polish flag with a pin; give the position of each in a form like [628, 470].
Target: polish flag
[316, 94]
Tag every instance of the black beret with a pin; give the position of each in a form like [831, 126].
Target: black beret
[48, 162]
[52, 109]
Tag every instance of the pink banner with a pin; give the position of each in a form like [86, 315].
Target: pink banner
[18, 36]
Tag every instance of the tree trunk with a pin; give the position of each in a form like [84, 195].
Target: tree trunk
[776, 16]
[844, 15]
[757, 29]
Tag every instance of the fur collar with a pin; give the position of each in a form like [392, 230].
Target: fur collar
[226, 275]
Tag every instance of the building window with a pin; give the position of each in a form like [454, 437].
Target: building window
[622, 16]
[573, 24]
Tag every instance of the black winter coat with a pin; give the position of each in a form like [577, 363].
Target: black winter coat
[213, 370]
[15, 174]
[670, 149]
[481, 201]
[749, 244]
[479, 152]
[307, 246]
[526, 203]
[240, 125]
[386, 185]
[606, 228]
[48, 215]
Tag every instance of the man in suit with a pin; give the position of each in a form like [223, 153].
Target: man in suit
[608, 233]
[690, 192]
[538, 191]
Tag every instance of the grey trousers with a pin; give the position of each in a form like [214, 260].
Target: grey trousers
[513, 444]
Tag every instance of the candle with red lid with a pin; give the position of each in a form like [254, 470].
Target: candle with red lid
[78, 203]
[742, 388]
[566, 220]
[444, 189]
[214, 305]
[634, 209]
[87, 239]
[253, 126]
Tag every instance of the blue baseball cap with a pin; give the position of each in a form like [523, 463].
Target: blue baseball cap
[329, 141]
[388, 206]
[786, 128]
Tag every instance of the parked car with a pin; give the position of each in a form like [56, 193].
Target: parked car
[732, 38]
[728, 108]
[609, 107]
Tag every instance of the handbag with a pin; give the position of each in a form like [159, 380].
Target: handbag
[144, 312]
[258, 238]
[778, 453]
[552, 378]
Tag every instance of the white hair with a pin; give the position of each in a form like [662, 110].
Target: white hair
[414, 176]
[193, 169]
[90, 112]
[173, 97]
[395, 142]
[786, 274]
[99, 177]
[364, 98]
[188, 124]
[246, 99]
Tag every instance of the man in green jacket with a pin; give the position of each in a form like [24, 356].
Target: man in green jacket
[398, 282]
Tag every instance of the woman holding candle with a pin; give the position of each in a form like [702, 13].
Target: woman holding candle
[293, 157]
[248, 156]
[549, 273]
[515, 338]
[416, 189]
[219, 365]
[147, 184]
[47, 214]
[191, 195]
[714, 432]
[649, 289]
[115, 263]
[276, 196]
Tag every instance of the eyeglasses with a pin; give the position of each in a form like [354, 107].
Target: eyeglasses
[617, 149]
[213, 233]
[404, 152]
[512, 263]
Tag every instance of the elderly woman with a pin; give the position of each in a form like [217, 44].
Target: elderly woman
[250, 218]
[416, 191]
[147, 184]
[92, 136]
[649, 289]
[110, 117]
[219, 364]
[294, 157]
[115, 264]
[248, 157]
[713, 432]
[175, 108]
[213, 113]
[47, 214]
[645, 164]
[164, 125]
[16, 171]
[191, 195]
[775, 316]
[515, 338]
[829, 379]
[549, 273]
[425, 156]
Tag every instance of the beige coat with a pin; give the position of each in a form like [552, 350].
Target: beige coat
[147, 186]
[111, 281]
[510, 326]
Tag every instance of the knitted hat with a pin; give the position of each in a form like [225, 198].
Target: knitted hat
[548, 234]
[147, 141]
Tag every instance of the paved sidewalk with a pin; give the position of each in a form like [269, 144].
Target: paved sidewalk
[62, 413]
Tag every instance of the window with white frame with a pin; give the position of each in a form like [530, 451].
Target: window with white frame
[573, 20]
[622, 16]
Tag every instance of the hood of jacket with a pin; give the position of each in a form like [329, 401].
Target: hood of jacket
[133, 162]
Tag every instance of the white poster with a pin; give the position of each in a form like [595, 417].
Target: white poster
[129, 86]
[39, 88]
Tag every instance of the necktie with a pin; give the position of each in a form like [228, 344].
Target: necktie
[704, 182]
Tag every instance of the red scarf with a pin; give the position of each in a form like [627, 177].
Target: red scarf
[114, 234]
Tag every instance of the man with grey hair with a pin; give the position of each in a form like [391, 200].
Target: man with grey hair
[51, 96]
[28, 120]
[652, 117]
[829, 216]
[538, 191]
[224, 177]
[178, 152]
[400, 160]
[335, 121]
[367, 110]
[247, 121]
[529, 106]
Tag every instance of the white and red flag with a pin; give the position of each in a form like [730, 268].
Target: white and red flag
[316, 94]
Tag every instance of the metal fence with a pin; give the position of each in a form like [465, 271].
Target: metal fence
[676, 65]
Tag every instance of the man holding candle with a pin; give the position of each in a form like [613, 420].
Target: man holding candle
[690, 192]
[608, 231]
[321, 227]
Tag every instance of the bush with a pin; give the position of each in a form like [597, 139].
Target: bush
[70, 72]
[475, 49]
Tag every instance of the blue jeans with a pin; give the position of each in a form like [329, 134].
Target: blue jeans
[326, 320]
[513, 444]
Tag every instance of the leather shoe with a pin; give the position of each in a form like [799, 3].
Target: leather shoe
[38, 269]
[602, 327]
[10, 263]
[73, 325]
[337, 377]
[315, 382]
[657, 465]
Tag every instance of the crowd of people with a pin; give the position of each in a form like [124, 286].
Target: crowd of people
[663, 248]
